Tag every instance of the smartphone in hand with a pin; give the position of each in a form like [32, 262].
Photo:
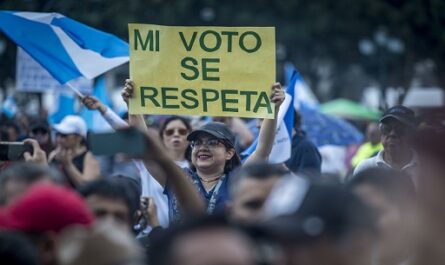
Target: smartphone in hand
[13, 151]
[128, 141]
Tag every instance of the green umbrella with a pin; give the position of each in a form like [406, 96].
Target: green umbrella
[350, 110]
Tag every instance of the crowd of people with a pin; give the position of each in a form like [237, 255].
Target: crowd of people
[191, 198]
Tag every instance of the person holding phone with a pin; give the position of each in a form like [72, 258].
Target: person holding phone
[173, 135]
[173, 132]
[213, 160]
[71, 155]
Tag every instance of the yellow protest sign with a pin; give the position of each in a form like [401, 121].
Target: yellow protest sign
[214, 71]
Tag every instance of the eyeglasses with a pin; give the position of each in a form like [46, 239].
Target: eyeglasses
[181, 131]
[399, 129]
[211, 143]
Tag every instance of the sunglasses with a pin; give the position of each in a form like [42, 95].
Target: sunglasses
[63, 135]
[399, 129]
[211, 143]
[181, 131]
[40, 131]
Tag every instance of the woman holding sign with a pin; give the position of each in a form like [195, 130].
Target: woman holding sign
[213, 159]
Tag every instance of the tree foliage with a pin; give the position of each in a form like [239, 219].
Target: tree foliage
[321, 37]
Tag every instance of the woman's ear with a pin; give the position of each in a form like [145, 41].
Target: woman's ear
[230, 153]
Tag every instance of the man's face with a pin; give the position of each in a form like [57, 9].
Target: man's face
[105, 208]
[394, 135]
[41, 135]
[220, 246]
[249, 197]
[13, 189]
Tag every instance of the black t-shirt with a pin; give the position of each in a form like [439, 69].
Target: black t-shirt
[305, 157]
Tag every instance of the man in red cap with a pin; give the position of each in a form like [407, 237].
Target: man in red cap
[42, 212]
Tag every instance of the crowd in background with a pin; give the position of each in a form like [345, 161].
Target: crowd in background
[192, 198]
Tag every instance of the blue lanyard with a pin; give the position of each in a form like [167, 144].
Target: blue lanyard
[212, 202]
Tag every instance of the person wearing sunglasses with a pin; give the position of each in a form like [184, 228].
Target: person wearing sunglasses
[173, 133]
[41, 132]
[213, 160]
[396, 127]
[71, 155]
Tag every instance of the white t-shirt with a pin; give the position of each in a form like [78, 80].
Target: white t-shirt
[150, 187]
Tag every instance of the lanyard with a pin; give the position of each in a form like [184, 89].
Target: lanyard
[212, 202]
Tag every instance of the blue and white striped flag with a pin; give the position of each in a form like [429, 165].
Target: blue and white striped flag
[281, 150]
[320, 128]
[66, 48]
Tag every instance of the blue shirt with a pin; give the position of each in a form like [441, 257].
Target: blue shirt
[220, 193]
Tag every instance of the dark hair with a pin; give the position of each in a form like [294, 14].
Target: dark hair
[297, 120]
[395, 185]
[116, 188]
[161, 249]
[184, 120]
[13, 125]
[27, 173]
[230, 165]
[344, 213]
[234, 162]
[259, 171]
[4, 135]
[16, 249]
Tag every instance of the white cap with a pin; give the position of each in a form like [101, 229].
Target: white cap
[72, 124]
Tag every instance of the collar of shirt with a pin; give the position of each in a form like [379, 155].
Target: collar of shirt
[381, 162]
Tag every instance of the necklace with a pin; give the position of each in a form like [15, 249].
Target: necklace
[210, 180]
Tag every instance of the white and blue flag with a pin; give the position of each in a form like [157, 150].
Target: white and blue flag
[320, 128]
[66, 48]
[9, 107]
[281, 150]
[64, 105]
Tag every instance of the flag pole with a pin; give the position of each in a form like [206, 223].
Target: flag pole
[78, 93]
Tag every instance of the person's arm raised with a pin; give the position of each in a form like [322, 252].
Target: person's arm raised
[184, 190]
[267, 132]
[135, 120]
[139, 122]
[116, 122]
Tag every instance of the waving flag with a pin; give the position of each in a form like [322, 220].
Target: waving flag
[321, 129]
[65, 101]
[66, 48]
[9, 107]
[281, 150]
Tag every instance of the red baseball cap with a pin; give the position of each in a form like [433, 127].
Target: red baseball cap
[46, 207]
